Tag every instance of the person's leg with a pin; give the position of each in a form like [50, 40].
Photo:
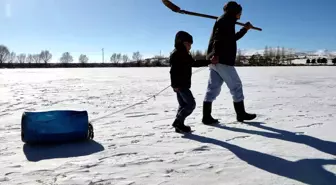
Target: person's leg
[187, 105]
[233, 82]
[215, 83]
[180, 102]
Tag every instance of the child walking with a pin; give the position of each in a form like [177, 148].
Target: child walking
[181, 63]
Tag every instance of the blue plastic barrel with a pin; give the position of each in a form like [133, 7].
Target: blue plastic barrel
[56, 126]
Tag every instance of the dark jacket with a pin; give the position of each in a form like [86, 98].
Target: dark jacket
[181, 63]
[223, 40]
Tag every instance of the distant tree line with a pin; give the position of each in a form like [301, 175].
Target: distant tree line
[270, 57]
[320, 61]
[10, 59]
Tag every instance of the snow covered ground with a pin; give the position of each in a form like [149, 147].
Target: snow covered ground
[292, 141]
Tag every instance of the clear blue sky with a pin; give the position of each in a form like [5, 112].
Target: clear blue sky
[86, 26]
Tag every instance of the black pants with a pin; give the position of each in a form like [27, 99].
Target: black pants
[186, 102]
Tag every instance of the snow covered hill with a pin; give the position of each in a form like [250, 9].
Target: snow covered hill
[318, 53]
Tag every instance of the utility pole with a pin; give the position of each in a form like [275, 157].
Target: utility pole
[103, 55]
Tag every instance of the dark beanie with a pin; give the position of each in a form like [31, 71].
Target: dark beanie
[181, 37]
[232, 7]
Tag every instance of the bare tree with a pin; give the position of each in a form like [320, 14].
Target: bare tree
[277, 55]
[113, 58]
[137, 56]
[36, 58]
[30, 58]
[66, 58]
[291, 55]
[198, 54]
[4, 54]
[12, 57]
[278, 52]
[22, 58]
[283, 55]
[266, 52]
[267, 59]
[272, 53]
[83, 59]
[239, 56]
[118, 57]
[125, 58]
[45, 56]
[193, 53]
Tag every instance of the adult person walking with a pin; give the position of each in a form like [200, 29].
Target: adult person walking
[222, 51]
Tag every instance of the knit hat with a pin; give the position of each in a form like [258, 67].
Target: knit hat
[181, 37]
[232, 7]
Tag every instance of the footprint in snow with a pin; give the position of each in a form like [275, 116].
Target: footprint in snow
[135, 141]
[119, 155]
[218, 171]
[15, 166]
[210, 129]
[4, 179]
[169, 171]
[137, 136]
[161, 127]
[201, 149]
[179, 152]
[310, 125]
[112, 146]
[146, 175]
[196, 165]
[238, 137]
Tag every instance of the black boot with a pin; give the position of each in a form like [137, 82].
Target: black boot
[207, 118]
[240, 111]
[180, 127]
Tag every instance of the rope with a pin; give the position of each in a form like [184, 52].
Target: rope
[153, 96]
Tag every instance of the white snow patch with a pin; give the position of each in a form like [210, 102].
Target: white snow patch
[292, 141]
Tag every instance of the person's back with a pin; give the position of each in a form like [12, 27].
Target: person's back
[222, 43]
[181, 61]
[180, 68]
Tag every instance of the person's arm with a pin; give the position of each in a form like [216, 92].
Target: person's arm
[221, 35]
[174, 72]
[241, 33]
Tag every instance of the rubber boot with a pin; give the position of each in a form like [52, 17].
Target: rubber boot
[180, 127]
[242, 115]
[207, 118]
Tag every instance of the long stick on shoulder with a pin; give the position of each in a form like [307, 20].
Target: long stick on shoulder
[177, 9]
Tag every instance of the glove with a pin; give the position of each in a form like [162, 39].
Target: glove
[248, 25]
